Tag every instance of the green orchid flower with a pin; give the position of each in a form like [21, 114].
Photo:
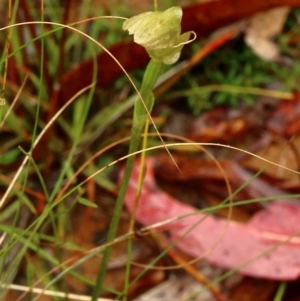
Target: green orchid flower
[159, 33]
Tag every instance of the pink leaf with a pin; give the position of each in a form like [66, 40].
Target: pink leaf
[268, 246]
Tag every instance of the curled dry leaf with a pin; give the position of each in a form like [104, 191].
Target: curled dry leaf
[262, 28]
[268, 246]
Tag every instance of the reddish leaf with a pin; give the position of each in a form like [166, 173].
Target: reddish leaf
[264, 242]
[206, 171]
[285, 121]
[205, 17]
[219, 124]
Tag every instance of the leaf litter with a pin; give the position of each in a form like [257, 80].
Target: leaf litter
[267, 246]
[264, 246]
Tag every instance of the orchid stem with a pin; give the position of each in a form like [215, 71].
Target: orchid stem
[140, 117]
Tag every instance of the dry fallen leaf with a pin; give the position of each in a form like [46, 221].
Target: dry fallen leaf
[268, 246]
[285, 120]
[176, 288]
[261, 28]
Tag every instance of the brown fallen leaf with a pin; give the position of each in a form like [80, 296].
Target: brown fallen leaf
[268, 246]
[176, 288]
[207, 172]
[260, 30]
[286, 119]
[253, 289]
[219, 124]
